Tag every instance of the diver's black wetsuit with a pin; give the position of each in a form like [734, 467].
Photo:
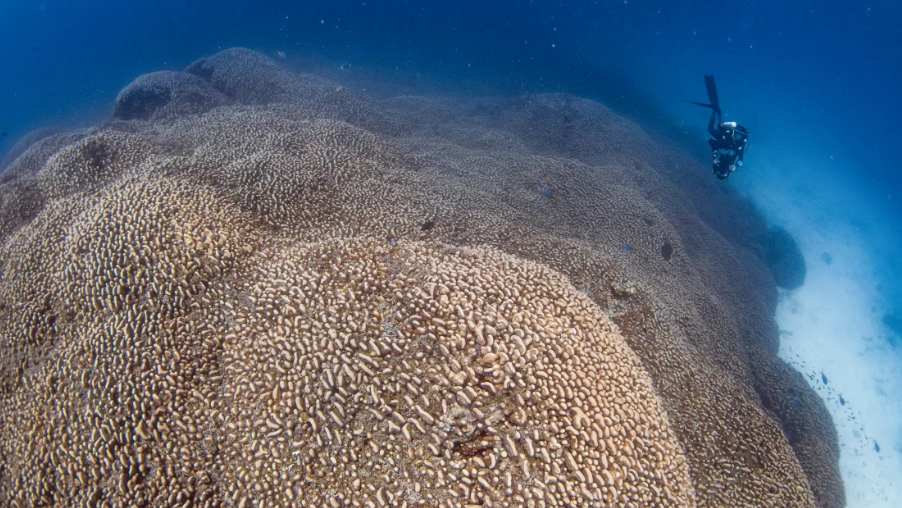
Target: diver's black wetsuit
[728, 146]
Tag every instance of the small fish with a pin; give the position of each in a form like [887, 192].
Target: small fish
[281, 54]
[392, 242]
[876, 446]
[345, 66]
[842, 401]
[550, 195]
[823, 378]
[625, 246]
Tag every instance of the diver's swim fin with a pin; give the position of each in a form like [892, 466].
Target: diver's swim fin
[712, 95]
[702, 104]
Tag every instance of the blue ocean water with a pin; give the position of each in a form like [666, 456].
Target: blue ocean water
[815, 82]
[812, 73]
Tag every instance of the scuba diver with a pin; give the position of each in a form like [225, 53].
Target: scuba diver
[731, 140]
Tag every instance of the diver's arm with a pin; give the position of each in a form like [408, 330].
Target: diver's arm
[711, 129]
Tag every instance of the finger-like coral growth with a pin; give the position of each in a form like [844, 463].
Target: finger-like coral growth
[261, 289]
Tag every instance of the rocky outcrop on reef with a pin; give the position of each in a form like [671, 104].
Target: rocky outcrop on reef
[785, 259]
[252, 288]
[166, 94]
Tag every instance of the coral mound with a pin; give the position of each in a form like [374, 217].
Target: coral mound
[785, 259]
[254, 288]
[166, 94]
[445, 376]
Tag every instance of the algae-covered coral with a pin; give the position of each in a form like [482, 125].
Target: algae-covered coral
[226, 296]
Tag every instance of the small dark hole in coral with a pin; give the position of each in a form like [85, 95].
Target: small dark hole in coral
[429, 224]
[667, 251]
[95, 151]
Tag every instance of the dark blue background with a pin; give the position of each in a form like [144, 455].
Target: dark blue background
[819, 77]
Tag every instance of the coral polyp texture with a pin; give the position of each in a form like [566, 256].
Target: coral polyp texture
[256, 288]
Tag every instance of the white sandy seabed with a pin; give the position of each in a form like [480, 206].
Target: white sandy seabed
[832, 327]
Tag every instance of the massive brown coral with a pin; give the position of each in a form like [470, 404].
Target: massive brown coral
[166, 94]
[305, 296]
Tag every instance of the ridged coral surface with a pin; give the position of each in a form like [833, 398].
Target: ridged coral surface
[256, 288]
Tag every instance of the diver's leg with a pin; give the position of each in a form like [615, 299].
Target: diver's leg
[711, 130]
[712, 93]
